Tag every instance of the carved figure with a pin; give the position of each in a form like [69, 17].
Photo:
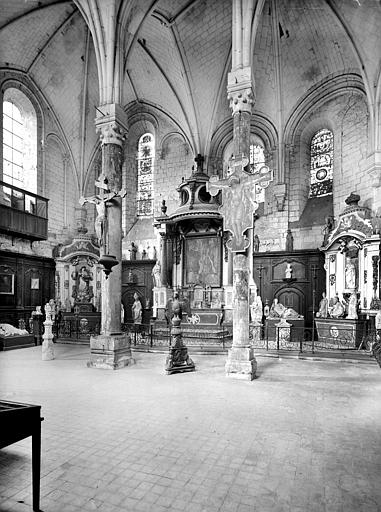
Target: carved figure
[133, 250]
[329, 224]
[238, 204]
[137, 310]
[337, 310]
[256, 310]
[350, 275]
[288, 271]
[256, 243]
[156, 273]
[277, 310]
[323, 307]
[352, 306]
[84, 293]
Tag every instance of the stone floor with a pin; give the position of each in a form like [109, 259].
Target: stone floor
[304, 436]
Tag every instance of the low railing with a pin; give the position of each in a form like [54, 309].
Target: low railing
[76, 329]
[299, 339]
[305, 339]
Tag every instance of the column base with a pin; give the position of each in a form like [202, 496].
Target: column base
[241, 363]
[110, 352]
[47, 350]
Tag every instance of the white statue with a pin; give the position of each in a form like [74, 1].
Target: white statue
[352, 307]
[156, 274]
[350, 275]
[256, 309]
[288, 271]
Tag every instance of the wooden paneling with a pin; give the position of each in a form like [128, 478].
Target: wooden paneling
[34, 285]
[303, 291]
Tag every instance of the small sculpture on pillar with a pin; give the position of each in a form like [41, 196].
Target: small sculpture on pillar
[178, 359]
[47, 344]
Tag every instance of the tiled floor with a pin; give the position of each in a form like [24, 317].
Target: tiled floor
[304, 436]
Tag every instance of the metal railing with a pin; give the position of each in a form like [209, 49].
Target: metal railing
[76, 329]
[306, 339]
[289, 338]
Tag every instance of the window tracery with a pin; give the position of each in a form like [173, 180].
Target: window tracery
[321, 163]
[146, 151]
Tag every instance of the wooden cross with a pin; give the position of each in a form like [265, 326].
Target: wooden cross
[239, 199]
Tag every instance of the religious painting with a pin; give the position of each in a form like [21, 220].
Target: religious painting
[202, 261]
[7, 284]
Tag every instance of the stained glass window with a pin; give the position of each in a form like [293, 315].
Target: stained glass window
[146, 151]
[321, 178]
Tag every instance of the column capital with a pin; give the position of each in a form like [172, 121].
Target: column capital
[240, 90]
[111, 124]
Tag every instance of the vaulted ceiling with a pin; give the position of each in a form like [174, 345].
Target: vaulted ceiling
[178, 54]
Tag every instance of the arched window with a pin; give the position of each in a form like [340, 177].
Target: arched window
[321, 169]
[146, 152]
[257, 160]
[19, 140]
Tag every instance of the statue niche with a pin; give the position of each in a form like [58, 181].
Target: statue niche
[82, 291]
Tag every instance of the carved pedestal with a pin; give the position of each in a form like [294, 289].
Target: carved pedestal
[178, 359]
[110, 352]
[47, 353]
[241, 363]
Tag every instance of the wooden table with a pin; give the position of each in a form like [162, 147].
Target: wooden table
[17, 422]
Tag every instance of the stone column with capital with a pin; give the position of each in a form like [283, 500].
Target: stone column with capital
[111, 349]
[241, 363]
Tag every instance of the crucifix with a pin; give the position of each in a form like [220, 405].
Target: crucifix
[238, 207]
[100, 200]
[239, 200]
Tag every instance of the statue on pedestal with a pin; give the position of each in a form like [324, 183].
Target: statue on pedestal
[352, 306]
[256, 309]
[137, 310]
[156, 274]
[323, 307]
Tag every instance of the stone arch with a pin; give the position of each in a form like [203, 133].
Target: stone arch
[322, 107]
[223, 136]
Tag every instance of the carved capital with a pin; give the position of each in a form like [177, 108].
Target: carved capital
[280, 195]
[241, 94]
[111, 124]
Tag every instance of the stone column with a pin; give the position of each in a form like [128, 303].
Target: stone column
[241, 363]
[111, 349]
[164, 259]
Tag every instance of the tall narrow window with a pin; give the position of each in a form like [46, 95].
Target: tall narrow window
[146, 152]
[321, 170]
[19, 141]
[257, 160]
